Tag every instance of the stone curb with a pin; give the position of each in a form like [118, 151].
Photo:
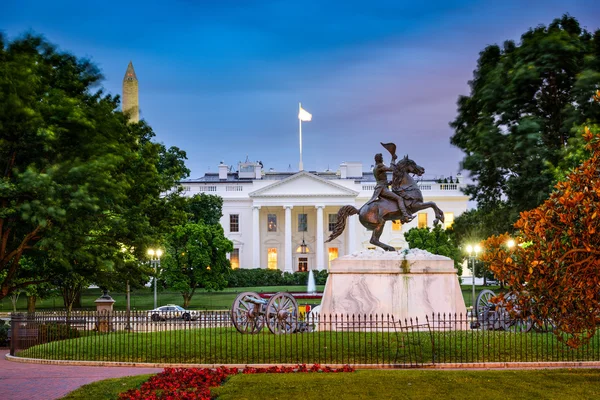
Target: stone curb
[447, 366]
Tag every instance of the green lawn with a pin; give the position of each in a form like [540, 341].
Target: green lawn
[143, 299]
[559, 384]
[227, 346]
[107, 389]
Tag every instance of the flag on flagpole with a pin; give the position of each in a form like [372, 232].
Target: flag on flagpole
[304, 115]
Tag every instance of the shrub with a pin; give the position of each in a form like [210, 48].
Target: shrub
[272, 277]
[55, 331]
[3, 333]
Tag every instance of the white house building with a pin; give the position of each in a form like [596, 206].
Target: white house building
[268, 215]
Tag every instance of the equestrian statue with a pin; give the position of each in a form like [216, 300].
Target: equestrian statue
[400, 203]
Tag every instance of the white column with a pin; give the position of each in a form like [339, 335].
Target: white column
[351, 246]
[256, 237]
[320, 244]
[288, 239]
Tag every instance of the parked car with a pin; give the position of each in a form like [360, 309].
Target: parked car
[171, 311]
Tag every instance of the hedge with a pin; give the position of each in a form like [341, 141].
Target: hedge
[272, 277]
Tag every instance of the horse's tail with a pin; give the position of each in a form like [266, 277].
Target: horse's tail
[340, 225]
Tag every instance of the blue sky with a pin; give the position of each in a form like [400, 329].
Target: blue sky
[222, 79]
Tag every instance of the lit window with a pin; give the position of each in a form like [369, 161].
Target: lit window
[302, 264]
[332, 222]
[272, 223]
[234, 222]
[396, 225]
[272, 258]
[234, 259]
[333, 254]
[448, 219]
[302, 223]
[422, 220]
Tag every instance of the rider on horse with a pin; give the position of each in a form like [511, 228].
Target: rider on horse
[382, 186]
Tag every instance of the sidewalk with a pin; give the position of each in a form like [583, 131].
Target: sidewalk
[45, 382]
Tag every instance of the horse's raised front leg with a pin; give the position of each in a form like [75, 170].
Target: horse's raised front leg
[418, 206]
[377, 234]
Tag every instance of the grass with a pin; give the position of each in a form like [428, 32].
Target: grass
[107, 389]
[143, 299]
[489, 385]
[560, 384]
[227, 346]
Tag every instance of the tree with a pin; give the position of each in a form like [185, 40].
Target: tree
[556, 268]
[79, 183]
[205, 208]
[435, 241]
[196, 257]
[527, 102]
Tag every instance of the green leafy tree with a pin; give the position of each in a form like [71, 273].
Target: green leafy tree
[528, 100]
[556, 269]
[79, 183]
[196, 257]
[435, 241]
[205, 208]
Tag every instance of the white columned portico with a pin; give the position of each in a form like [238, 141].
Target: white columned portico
[288, 239]
[320, 245]
[351, 234]
[256, 237]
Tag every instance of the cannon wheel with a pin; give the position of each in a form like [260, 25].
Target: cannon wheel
[282, 313]
[487, 313]
[514, 323]
[247, 317]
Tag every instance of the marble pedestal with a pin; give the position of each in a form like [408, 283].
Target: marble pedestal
[407, 284]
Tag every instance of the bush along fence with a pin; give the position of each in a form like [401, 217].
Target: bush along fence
[211, 338]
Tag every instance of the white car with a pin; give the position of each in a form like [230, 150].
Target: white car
[171, 311]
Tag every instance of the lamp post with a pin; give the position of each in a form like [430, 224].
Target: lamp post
[473, 250]
[155, 259]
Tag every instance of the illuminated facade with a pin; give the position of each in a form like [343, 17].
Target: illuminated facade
[269, 215]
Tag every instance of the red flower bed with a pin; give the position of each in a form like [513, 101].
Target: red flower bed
[195, 383]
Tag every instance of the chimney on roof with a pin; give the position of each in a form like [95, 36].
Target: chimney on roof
[223, 170]
[343, 170]
[258, 170]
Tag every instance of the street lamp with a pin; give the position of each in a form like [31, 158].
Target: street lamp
[155, 260]
[473, 250]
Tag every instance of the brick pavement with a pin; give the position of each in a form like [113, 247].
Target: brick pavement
[45, 382]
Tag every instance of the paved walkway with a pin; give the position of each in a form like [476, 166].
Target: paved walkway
[22, 381]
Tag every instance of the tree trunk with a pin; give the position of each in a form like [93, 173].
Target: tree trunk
[31, 303]
[14, 296]
[187, 298]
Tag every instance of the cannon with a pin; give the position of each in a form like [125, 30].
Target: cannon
[495, 316]
[250, 312]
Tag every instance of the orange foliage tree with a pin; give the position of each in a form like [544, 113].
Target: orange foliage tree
[555, 268]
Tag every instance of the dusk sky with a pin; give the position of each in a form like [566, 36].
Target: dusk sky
[222, 79]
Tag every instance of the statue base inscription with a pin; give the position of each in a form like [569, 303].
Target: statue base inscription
[408, 285]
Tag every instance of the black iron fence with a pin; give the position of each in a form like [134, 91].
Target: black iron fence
[211, 338]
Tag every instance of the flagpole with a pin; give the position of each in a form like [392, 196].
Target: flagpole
[300, 166]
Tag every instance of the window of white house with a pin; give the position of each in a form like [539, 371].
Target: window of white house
[234, 222]
[302, 223]
[234, 258]
[448, 219]
[422, 220]
[272, 222]
[396, 225]
[333, 254]
[332, 222]
[302, 264]
[272, 258]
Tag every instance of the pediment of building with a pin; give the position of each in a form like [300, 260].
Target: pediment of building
[304, 184]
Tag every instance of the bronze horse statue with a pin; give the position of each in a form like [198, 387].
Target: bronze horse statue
[373, 215]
